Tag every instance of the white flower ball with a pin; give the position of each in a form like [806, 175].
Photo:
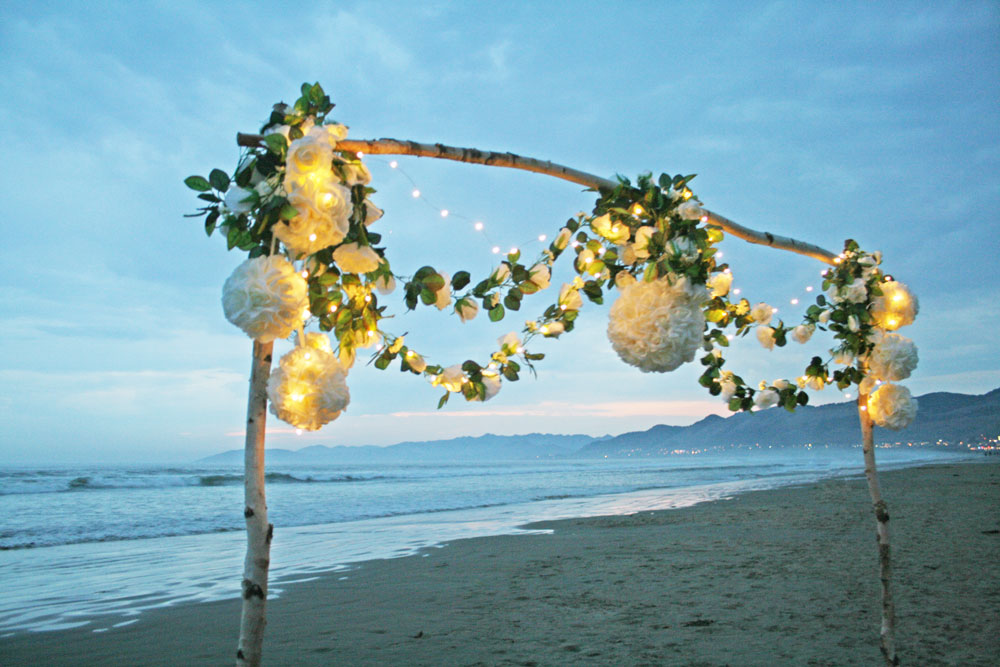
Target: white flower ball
[309, 387]
[803, 333]
[492, 385]
[307, 155]
[766, 337]
[657, 326]
[897, 306]
[892, 407]
[690, 210]
[265, 297]
[237, 199]
[761, 313]
[893, 358]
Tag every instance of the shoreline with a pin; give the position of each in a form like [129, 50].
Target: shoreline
[749, 580]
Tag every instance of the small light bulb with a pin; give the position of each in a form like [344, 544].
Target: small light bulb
[544, 329]
[306, 355]
[601, 251]
[727, 270]
[795, 302]
[575, 243]
[897, 297]
[809, 288]
[718, 254]
[415, 193]
[478, 226]
[393, 164]
[775, 310]
[512, 251]
[306, 314]
[371, 334]
[562, 306]
[298, 431]
[333, 307]
[542, 237]
[737, 290]
[496, 250]
[704, 219]
[729, 336]
[304, 273]
[360, 154]
[444, 213]
[312, 237]
[368, 298]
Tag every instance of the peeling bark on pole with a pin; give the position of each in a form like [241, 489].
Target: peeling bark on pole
[512, 161]
[888, 631]
[259, 531]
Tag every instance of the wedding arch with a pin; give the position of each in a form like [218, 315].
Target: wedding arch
[298, 203]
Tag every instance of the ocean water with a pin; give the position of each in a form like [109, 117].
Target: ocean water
[97, 546]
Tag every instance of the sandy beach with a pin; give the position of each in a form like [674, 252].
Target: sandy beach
[786, 576]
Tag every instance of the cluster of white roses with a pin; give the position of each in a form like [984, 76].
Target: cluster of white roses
[309, 387]
[267, 297]
[891, 357]
[658, 325]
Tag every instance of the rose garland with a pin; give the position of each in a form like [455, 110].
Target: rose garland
[299, 198]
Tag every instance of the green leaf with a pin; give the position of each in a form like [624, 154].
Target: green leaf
[288, 212]
[444, 399]
[496, 314]
[510, 374]
[232, 237]
[198, 183]
[210, 222]
[276, 143]
[511, 302]
[427, 296]
[460, 280]
[219, 180]
[433, 282]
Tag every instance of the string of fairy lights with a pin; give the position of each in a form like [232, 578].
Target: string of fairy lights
[480, 228]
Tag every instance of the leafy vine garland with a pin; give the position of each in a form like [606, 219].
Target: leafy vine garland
[297, 199]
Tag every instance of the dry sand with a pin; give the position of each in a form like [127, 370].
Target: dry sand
[784, 577]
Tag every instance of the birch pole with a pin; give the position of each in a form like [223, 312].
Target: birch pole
[887, 634]
[259, 531]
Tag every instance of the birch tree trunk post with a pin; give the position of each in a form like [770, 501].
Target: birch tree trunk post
[259, 531]
[887, 636]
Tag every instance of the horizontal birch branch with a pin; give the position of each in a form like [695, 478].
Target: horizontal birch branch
[512, 161]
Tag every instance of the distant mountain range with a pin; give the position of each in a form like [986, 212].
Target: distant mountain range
[942, 416]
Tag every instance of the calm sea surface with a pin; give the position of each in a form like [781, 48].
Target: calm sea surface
[97, 546]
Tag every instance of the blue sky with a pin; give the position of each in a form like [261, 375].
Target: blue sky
[820, 121]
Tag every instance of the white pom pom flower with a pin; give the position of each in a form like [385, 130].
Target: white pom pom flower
[893, 358]
[309, 387]
[892, 407]
[658, 325]
[897, 306]
[265, 297]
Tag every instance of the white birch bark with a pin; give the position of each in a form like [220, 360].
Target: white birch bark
[259, 531]
[512, 161]
[888, 631]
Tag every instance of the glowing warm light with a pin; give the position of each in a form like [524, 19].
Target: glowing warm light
[415, 193]
[496, 250]
[897, 297]
[512, 251]
[737, 290]
[327, 198]
[393, 164]
[307, 355]
[562, 306]
[410, 354]
[718, 254]
[544, 329]
[296, 397]
[809, 288]
[368, 298]
[371, 334]
[775, 310]
[304, 273]
[333, 307]
[893, 322]
[730, 336]
[542, 237]
[306, 314]
[637, 210]
[704, 219]
[298, 431]
[520, 350]
[312, 237]
[478, 226]
[727, 270]
[575, 243]
[360, 154]
[687, 194]
[795, 302]
[444, 213]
